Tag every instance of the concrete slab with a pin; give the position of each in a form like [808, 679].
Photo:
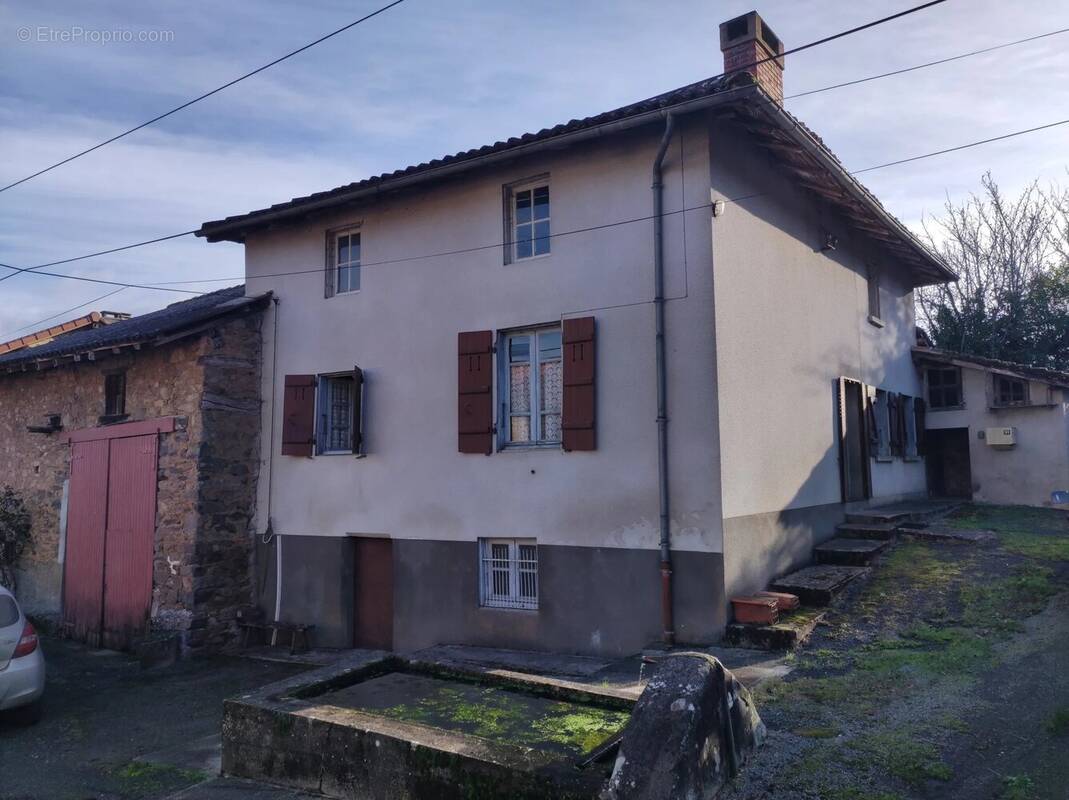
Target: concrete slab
[789, 633]
[817, 585]
[867, 530]
[528, 661]
[853, 552]
[238, 789]
[951, 535]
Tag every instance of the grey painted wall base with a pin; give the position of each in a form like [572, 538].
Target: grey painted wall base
[592, 600]
[761, 547]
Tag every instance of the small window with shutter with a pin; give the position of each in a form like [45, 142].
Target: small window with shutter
[339, 413]
[508, 573]
[323, 414]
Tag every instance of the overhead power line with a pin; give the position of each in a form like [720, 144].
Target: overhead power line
[204, 96]
[19, 270]
[462, 251]
[8, 336]
[37, 268]
[927, 64]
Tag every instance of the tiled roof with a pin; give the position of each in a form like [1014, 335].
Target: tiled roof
[170, 320]
[789, 141]
[1052, 376]
[694, 91]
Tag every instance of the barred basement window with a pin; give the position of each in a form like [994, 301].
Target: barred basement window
[508, 573]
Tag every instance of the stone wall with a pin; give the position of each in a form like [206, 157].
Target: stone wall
[206, 474]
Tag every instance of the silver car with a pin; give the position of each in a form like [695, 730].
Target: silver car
[22, 666]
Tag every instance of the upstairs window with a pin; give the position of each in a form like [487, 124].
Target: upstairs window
[535, 387]
[508, 572]
[114, 397]
[339, 413]
[874, 293]
[527, 220]
[944, 387]
[347, 262]
[341, 269]
[1010, 391]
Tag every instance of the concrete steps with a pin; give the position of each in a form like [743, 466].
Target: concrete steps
[867, 530]
[789, 633]
[817, 585]
[849, 552]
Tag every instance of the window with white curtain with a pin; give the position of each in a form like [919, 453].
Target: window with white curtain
[533, 387]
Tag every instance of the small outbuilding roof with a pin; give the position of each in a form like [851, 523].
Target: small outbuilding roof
[1054, 377]
[156, 327]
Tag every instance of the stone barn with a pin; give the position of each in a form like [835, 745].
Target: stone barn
[135, 444]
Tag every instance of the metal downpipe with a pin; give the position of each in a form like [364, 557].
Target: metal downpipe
[667, 617]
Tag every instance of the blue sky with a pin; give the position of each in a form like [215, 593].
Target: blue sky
[431, 77]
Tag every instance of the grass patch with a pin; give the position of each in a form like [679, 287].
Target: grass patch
[927, 651]
[817, 733]
[1058, 723]
[1039, 533]
[1000, 604]
[144, 777]
[1017, 787]
[1036, 545]
[904, 756]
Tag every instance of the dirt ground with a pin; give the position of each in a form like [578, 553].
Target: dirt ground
[102, 711]
[944, 675]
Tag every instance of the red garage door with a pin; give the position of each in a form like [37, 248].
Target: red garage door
[111, 521]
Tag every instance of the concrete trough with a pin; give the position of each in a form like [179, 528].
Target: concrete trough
[373, 726]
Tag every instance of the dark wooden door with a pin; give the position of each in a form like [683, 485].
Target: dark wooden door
[373, 593]
[949, 467]
[853, 442]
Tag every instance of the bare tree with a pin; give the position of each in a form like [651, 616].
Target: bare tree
[1011, 256]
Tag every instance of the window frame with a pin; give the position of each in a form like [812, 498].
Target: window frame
[110, 414]
[942, 388]
[331, 266]
[535, 414]
[875, 302]
[514, 563]
[510, 194]
[996, 398]
[321, 429]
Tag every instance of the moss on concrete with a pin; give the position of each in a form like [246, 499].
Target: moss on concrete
[494, 713]
[142, 777]
[903, 754]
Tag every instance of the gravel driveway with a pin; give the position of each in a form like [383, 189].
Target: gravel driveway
[102, 713]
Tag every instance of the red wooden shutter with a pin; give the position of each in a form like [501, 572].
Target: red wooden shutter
[579, 396]
[920, 418]
[298, 415]
[475, 385]
[358, 411]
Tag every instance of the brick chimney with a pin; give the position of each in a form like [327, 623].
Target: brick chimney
[746, 40]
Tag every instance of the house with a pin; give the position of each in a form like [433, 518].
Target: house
[996, 432]
[519, 398]
[135, 446]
